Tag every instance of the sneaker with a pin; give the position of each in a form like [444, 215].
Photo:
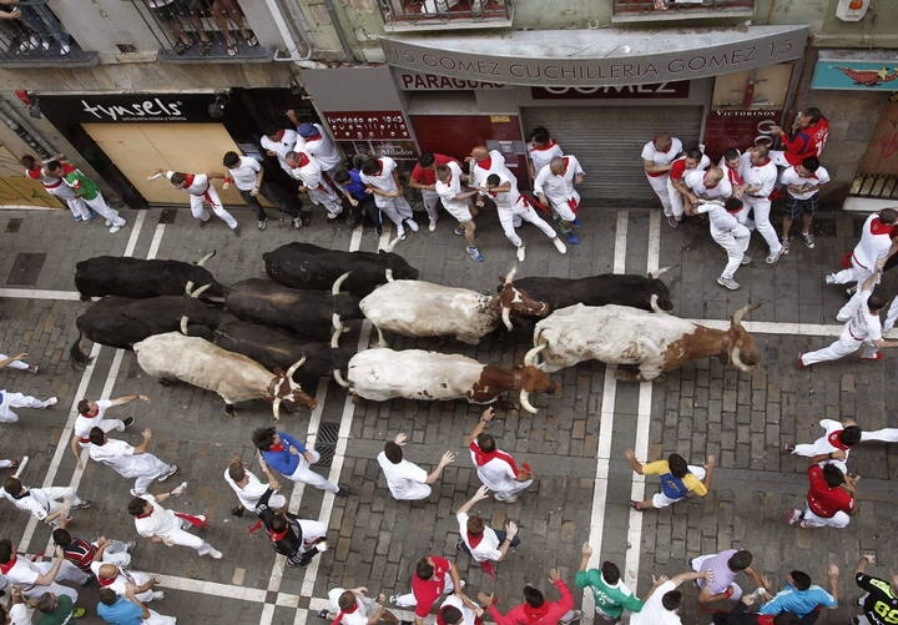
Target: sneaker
[205, 222]
[343, 492]
[115, 229]
[830, 278]
[850, 291]
[134, 493]
[459, 231]
[78, 612]
[521, 253]
[333, 215]
[128, 421]
[789, 448]
[559, 245]
[801, 364]
[180, 489]
[378, 231]
[172, 471]
[475, 254]
[107, 223]
[236, 230]
[773, 257]
[785, 247]
[808, 239]
[85, 503]
[261, 225]
[412, 224]
[297, 223]
[877, 356]
[238, 511]
[158, 595]
[324, 614]
[459, 546]
[672, 222]
[77, 218]
[576, 223]
[746, 260]
[576, 616]
[432, 226]
[51, 402]
[794, 517]
[394, 599]
[728, 283]
[33, 369]
[14, 464]
[215, 554]
[572, 238]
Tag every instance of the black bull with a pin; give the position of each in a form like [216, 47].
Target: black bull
[138, 279]
[627, 289]
[307, 266]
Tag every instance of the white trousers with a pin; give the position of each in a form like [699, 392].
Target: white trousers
[15, 364]
[839, 519]
[855, 273]
[660, 500]
[761, 209]
[326, 196]
[99, 205]
[68, 572]
[198, 208]
[659, 186]
[512, 491]
[527, 213]
[410, 601]
[186, 539]
[431, 200]
[18, 400]
[735, 248]
[312, 530]
[818, 447]
[158, 619]
[76, 206]
[891, 316]
[305, 475]
[677, 208]
[397, 210]
[885, 435]
[116, 553]
[563, 208]
[150, 467]
[845, 345]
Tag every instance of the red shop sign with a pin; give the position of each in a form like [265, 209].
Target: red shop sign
[350, 125]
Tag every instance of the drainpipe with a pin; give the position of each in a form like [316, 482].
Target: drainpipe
[31, 138]
[287, 35]
[335, 20]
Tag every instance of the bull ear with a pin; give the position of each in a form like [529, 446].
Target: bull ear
[278, 371]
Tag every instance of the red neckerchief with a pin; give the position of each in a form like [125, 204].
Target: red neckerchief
[486, 163]
[764, 162]
[278, 535]
[766, 619]
[104, 582]
[474, 539]
[303, 159]
[279, 134]
[91, 415]
[314, 137]
[535, 614]
[566, 163]
[188, 179]
[835, 439]
[380, 167]
[877, 227]
[6, 567]
[551, 144]
[351, 610]
[145, 515]
[278, 447]
[481, 457]
[713, 186]
[34, 172]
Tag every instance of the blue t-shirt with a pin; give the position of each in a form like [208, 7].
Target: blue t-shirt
[800, 602]
[122, 612]
[355, 187]
[283, 461]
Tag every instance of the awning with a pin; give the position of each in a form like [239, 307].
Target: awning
[570, 58]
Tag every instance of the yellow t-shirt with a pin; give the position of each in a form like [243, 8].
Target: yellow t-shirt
[662, 468]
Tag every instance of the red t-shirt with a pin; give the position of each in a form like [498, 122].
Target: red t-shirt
[824, 500]
[426, 175]
[427, 591]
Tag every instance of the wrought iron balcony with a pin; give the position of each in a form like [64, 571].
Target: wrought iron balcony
[190, 32]
[31, 35]
[664, 10]
[419, 15]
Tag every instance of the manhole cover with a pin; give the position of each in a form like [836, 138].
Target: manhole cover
[14, 224]
[168, 216]
[326, 444]
[26, 269]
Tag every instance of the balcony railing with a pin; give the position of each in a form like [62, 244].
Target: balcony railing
[877, 186]
[684, 9]
[423, 14]
[191, 32]
[32, 35]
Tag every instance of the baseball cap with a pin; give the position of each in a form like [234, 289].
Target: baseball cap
[307, 130]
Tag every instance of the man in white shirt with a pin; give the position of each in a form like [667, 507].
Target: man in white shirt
[381, 177]
[541, 150]
[92, 414]
[406, 480]
[319, 145]
[878, 243]
[484, 162]
[457, 203]
[278, 142]
[130, 462]
[480, 541]
[657, 156]
[803, 183]
[353, 606]
[160, 525]
[708, 184]
[248, 175]
[496, 469]
[36, 578]
[44, 504]
[124, 582]
[307, 170]
[459, 610]
[663, 600]
[729, 234]
[8, 401]
[676, 187]
[512, 206]
[201, 192]
[862, 330]
[249, 489]
[17, 362]
[555, 186]
[759, 175]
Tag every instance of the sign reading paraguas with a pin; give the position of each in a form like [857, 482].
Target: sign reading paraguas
[609, 57]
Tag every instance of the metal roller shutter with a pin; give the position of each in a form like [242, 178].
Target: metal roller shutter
[608, 141]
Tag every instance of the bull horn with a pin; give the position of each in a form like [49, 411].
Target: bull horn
[509, 277]
[276, 408]
[525, 402]
[203, 260]
[335, 337]
[654, 304]
[739, 314]
[188, 288]
[531, 356]
[506, 318]
[737, 360]
[184, 325]
[198, 293]
[389, 247]
[389, 275]
[338, 377]
[338, 283]
[660, 272]
[296, 365]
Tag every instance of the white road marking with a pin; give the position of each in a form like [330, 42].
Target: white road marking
[135, 233]
[68, 296]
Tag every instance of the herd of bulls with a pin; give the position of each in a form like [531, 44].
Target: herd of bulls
[268, 338]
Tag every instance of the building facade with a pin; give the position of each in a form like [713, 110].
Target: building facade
[130, 85]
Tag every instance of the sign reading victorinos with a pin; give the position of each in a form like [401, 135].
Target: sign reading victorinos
[636, 58]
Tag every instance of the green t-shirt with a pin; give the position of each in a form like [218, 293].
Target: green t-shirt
[612, 600]
[82, 185]
[62, 615]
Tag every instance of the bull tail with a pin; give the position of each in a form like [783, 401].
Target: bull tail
[77, 357]
[660, 272]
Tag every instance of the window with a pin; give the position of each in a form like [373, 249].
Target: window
[30, 32]
[433, 14]
[665, 10]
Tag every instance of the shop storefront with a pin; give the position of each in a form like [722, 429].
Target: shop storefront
[126, 137]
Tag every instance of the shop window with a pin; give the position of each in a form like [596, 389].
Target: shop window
[440, 14]
[191, 30]
[30, 34]
[664, 10]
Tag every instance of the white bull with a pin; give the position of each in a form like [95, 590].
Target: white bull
[652, 341]
[381, 374]
[234, 377]
[421, 309]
